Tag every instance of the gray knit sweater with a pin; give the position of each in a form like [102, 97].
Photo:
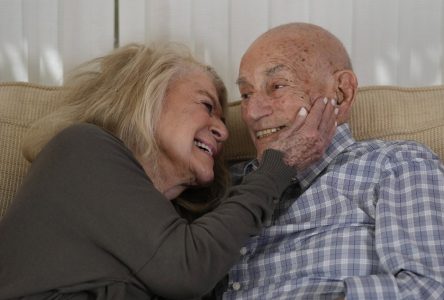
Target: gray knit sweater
[88, 223]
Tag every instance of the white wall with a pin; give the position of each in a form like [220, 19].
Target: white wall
[392, 42]
[41, 40]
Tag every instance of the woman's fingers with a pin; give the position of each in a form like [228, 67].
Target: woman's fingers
[306, 141]
[315, 117]
[296, 125]
[328, 123]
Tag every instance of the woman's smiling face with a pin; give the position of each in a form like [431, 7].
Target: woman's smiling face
[191, 130]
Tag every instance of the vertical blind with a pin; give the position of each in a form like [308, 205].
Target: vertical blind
[42, 40]
[391, 42]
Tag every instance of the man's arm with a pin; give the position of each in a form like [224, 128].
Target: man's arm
[409, 231]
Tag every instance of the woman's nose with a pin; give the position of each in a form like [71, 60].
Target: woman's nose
[219, 130]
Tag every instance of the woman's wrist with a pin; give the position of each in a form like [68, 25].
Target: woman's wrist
[272, 162]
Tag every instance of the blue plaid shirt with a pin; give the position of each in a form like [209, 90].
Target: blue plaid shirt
[369, 224]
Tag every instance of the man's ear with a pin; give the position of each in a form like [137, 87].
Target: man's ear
[347, 85]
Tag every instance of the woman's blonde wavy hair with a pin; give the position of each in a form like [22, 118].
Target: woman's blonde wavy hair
[123, 93]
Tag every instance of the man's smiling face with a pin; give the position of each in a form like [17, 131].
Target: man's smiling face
[273, 89]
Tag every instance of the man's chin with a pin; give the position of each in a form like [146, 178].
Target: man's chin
[259, 152]
[261, 146]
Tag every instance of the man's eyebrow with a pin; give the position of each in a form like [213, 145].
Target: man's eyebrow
[241, 80]
[268, 72]
[275, 69]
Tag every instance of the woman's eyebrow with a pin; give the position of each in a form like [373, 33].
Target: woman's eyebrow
[206, 93]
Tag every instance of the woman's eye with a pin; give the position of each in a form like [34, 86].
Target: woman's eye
[208, 106]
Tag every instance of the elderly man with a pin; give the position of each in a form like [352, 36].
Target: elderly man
[365, 222]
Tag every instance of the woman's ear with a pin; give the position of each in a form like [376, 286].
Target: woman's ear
[346, 88]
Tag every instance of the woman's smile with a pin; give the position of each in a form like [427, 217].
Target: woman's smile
[190, 132]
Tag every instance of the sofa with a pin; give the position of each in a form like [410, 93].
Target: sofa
[381, 112]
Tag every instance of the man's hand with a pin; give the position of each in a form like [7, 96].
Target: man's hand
[307, 139]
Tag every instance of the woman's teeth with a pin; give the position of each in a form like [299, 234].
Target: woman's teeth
[203, 147]
[267, 132]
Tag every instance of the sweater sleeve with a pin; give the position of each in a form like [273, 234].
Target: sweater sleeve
[109, 200]
[200, 253]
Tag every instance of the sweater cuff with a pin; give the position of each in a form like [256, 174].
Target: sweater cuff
[272, 162]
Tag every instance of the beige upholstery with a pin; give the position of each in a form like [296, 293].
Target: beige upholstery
[20, 104]
[379, 112]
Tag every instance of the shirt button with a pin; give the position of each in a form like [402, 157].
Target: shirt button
[236, 286]
[243, 250]
[275, 200]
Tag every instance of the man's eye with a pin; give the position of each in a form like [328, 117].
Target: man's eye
[245, 96]
[278, 86]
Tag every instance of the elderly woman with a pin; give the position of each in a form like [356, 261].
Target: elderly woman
[92, 220]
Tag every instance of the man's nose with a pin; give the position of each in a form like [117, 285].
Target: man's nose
[257, 107]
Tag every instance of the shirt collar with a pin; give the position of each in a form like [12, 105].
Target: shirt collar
[340, 142]
[342, 139]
